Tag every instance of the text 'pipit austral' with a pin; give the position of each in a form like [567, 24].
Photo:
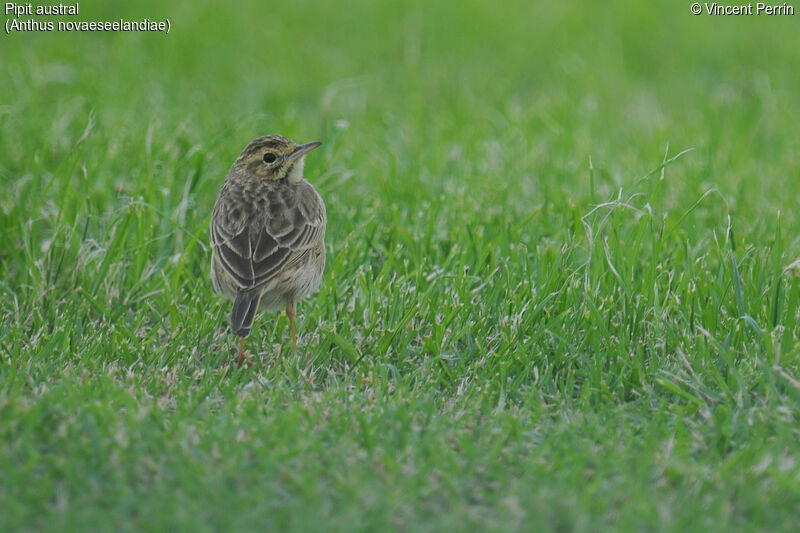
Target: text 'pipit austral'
[267, 233]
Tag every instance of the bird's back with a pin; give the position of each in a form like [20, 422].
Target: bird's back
[268, 237]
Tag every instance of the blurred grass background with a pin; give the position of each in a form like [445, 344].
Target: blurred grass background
[534, 314]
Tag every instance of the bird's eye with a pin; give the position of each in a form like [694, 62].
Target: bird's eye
[269, 157]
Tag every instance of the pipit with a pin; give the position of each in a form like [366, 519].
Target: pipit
[267, 233]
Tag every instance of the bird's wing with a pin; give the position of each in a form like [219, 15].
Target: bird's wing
[254, 251]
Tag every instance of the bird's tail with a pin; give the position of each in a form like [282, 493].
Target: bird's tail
[244, 312]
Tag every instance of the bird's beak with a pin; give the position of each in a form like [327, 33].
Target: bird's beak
[303, 149]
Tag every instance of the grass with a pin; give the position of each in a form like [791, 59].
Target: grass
[562, 288]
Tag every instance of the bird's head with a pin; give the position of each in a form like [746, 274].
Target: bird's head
[273, 157]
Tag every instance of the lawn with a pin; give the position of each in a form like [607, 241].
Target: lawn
[562, 289]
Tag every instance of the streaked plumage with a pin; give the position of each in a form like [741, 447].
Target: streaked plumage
[267, 232]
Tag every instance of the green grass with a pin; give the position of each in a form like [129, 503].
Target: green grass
[561, 294]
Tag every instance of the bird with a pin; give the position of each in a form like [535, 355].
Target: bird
[267, 233]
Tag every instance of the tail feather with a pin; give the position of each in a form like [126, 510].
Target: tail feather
[244, 312]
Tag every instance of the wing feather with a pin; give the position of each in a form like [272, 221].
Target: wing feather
[253, 254]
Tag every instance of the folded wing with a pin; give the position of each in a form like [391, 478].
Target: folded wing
[253, 251]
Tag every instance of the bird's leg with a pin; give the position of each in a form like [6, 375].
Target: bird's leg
[290, 314]
[241, 353]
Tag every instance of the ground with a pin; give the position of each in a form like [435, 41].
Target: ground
[561, 294]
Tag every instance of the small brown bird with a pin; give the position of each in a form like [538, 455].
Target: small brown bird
[267, 233]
